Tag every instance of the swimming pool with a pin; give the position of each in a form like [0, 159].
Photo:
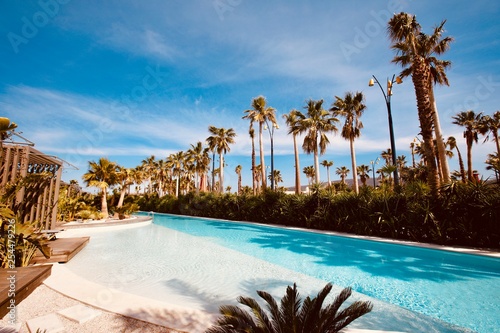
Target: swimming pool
[205, 263]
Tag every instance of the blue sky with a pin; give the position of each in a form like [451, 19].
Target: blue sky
[129, 79]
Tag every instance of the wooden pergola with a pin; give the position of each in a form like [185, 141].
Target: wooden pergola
[35, 200]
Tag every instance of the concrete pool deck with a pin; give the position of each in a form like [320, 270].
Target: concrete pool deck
[138, 311]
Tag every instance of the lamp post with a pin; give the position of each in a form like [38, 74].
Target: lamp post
[387, 96]
[373, 168]
[270, 129]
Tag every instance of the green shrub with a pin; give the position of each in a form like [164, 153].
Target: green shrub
[464, 214]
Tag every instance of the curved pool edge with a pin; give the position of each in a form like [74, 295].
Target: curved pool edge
[171, 316]
[168, 315]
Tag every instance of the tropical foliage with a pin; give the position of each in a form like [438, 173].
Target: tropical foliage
[19, 241]
[292, 314]
[465, 214]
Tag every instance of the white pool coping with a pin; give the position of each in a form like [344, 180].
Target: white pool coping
[141, 308]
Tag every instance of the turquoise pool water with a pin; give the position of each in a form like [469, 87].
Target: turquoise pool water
[203, 263]
[460, 289]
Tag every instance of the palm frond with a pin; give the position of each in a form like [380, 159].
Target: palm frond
[261, 317]
[290, 307]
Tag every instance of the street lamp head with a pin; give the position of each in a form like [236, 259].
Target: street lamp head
[399, 80]
[371, 83]
[389, 84]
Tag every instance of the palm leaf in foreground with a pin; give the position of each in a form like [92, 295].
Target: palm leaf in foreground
[292, 315]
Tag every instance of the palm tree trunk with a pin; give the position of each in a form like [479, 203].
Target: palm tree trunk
[316, 166]
[438, 165]
[328, 174]
[122, 196]
[104, 204]
[239, 183]
[297, 165]
[221, 173]
[495, 137]
[354, 169]
[262, 165]
[441, 147]
[203, 182]
[197, 183]
[254, 182]
[213, 171]
[461, 164]
[425, 115]
[469, 157]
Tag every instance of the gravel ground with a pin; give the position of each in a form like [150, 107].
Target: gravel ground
[43, 301]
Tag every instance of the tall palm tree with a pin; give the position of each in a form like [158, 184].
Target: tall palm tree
[401, 163]
[404, 32]
[148, 169]
[251, 132]
[317, 124]
[257, 177]
[160, 176]
[223, 138]
[387, 156]
[491, 124]
[176, 163]
[364, 173]
[493, 163]
[199, 155]
[387, 170]
[471, 121]
[189, 173]
[124, 177]
[430, 46]
[238, 172]
[452, 143]
[342, 172]
[351, 107]
[292, 120]
[327, 165]
[277, 178]
[212, 146]
[261, 113]
[310, 173]
[138, 176]
[102, 175]
[292, 314]
[413, 147]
